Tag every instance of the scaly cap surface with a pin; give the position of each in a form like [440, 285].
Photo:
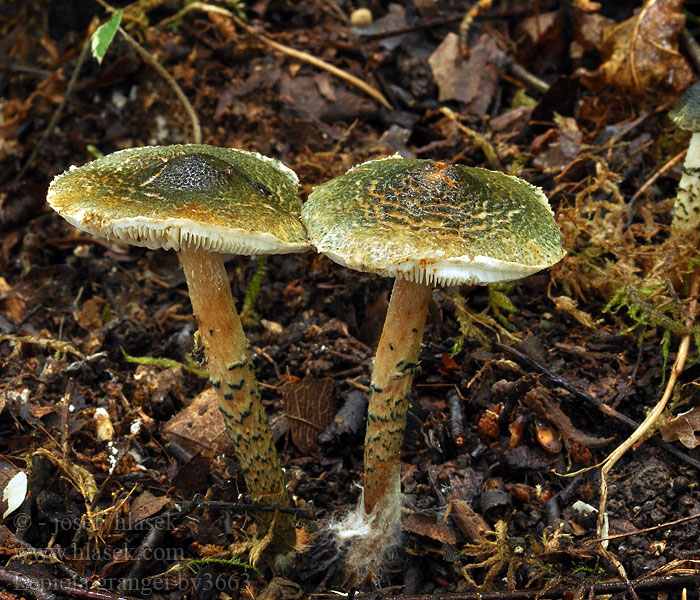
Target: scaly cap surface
[434, 223]
[686, 113]
[218, 199]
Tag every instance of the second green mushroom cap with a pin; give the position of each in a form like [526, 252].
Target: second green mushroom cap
[425, 223]
[431, 222]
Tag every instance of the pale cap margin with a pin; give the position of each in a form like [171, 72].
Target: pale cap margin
[87, 200]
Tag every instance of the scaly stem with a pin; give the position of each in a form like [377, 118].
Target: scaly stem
[686, 209]
[392, 375]
[232, 373]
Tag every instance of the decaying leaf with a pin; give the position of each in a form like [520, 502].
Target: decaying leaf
[428, 526]
[472, 82]
[546, 437]
[80, 478]
[90, 315]
[199, 427]
[13, 303]
[309, 406]
[684, 428]
[146, 505]
[538, 400]
[280, 588]
[557, 148]
[470, 523]
[569, 305]
[641, 54]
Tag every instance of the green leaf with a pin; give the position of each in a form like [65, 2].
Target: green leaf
[163, 363]
[104, 35]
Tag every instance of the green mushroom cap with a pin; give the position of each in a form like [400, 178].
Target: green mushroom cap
[217, 199]
[432, 222]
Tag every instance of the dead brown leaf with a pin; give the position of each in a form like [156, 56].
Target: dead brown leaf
[641, 54]
[427, 526]
[89, 316]
[12, 301]
[200, 427]
[309, 405]
[146, 505]
[470, 523]
[683, 428]
[538, 400]
[472, 82]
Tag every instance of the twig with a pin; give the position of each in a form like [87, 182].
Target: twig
[237, 507]
[298, 54]
[660, 583]
[691, 47]
[653, 415]
[617, 536]
[144, 555]
[480, 140]
[58, 112]
[32, 586]
[601, 406]
[529, 79]
[649, 182]
[42, 342]
[43, 589]
[467, 21]
[151, 60]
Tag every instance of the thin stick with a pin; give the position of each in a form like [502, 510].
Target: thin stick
[647, 529]
[651, 418]
[57, 113]
[298, 54]
[485, 145]
[529, 79]
[661, 583]
[151, 60]
[649, 182]
[467, 21]
[601, 406]
[691, 47]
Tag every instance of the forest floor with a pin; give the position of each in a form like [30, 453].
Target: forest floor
[523, 388]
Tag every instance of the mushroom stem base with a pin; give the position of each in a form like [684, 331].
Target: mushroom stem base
[392, 375]
[232, 373]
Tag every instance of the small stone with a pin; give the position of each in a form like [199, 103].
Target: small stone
[361, 17]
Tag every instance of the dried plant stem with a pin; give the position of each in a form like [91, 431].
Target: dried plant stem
[170, 80]
[653, 415]
[465, 25]
[298, 54]
[58, 112]
[480, 140]
[649, 182]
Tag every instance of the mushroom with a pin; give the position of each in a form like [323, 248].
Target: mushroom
[686, 115]
[202, 201]
[425, 223]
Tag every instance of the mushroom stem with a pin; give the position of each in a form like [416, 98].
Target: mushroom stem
[394, 364]
[232, 373]
[686, 209]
